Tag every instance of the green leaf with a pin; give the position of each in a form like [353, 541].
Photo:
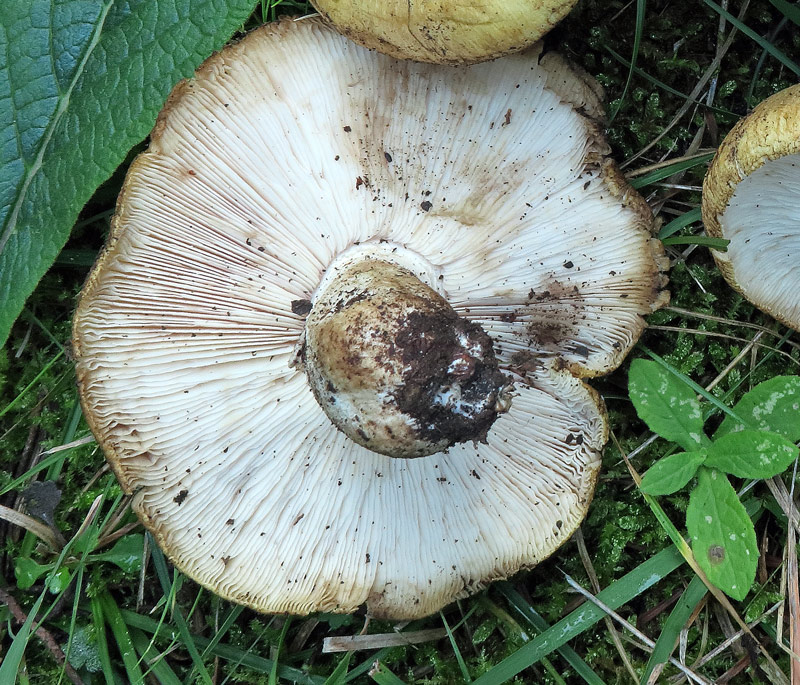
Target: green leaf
[752, 454]
[773, 405]
[127, 553]
[27, 572]
[671, 473]
[81, 82]
[58, 581]
[83, 652]
[666, 405]
[723, 538]
[122, 638]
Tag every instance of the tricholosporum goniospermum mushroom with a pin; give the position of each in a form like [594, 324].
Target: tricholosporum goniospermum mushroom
[297, 177]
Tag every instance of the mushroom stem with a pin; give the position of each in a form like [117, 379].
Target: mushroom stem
[395, 368]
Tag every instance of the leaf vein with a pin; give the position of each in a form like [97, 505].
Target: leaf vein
[10, 227]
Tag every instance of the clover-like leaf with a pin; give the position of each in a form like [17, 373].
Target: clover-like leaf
[723, 538]
[752, 454]
[773, 405]
[27, 572]
[126, 553]
[58, 581]
[81, 81]
[666, 405]
[671, 473]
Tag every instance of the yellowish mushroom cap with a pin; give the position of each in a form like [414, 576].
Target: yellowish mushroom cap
[751, 197]
[444, 31]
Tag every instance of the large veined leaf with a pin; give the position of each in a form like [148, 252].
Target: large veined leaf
[81, 81]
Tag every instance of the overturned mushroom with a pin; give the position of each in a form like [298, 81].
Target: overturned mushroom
[334, 345]
[751, 197]
[445, 31]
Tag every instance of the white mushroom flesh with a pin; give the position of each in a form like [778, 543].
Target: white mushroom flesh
[762, 222]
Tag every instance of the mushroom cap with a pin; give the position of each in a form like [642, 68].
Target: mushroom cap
[750, 197]
[295, 150]
[444, 31]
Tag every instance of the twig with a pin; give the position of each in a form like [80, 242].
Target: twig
[44, 635]
[733, 638]
[641, 171]
[69, 445]
[350, 643]
[745, 350]
[40, 530]
[730, 322]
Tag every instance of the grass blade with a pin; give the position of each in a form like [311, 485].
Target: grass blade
[156, 664]
[15, 653]
[667, 171]
[98, 619]
[459, 657]
[536, 621]
[791, 12]
[675, 622]
[223, 629]
[119, 630]
[337, 677]
[699, 390]
[273, 674]
[227, 652]
[641, 6]
[720, 244]
[680, 222]
[187, 640]
[32, 384]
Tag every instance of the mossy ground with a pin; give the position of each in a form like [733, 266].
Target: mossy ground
[677, 46]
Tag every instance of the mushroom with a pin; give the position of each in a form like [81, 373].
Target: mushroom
[444, 31]
[750, 197]
[334, 345]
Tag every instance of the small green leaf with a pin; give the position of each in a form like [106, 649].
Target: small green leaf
[83, 650]
[666, 405]
[58, 581]
[752, 454]
[335, 621]
[27, 572]
[127, 553]
[671, 473]
[773, 405]
[723, 538]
